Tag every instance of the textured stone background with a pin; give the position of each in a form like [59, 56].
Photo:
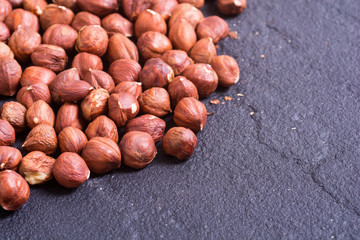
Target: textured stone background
[290, 171]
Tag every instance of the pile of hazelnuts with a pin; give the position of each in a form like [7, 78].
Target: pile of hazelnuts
[170, 38]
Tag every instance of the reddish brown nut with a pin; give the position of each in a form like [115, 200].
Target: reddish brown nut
[182, 35]
[115, 23]
[10, 158]
[40, 113]
[231, 7]
[36, 167]
[99, 79]
[164, 10]
[204, 78]
[190, 113]
[41, 138]
[150, 20]
[155, 101]
[71, 4]
[213, 27]
[35, 6]
[133, 8]
[95, 104]
[4, 32]
[10, 74]
[148, 123]
[55, 14]
[23, 42]
[61, 35]
[203, 51]
[102, 155]
[34, 74]
[153, 44]
[24, 18]
[7, 134]
[120, 47]
[92, 39]
[137, 149]
[179, 142]
[14, 190]
[177, 59]
[227, 70]
[72, 139]
[85, 61]
[134, 88]
[124, 70]
[16, 3]
[99, 8]
[14, 113]
[195, 3]
[69, 116]
[70, 170]
[83, 19]
[5, 9]
[122, 107]
[187, 12]
[102, 126]
[5, 51]
[50, 56]
[30, 94]
[180, 88]
[156, 73]
[64, 78]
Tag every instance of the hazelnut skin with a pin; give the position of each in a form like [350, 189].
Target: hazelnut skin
[24, 18]
[148, 123]
[5, 9]
[40, 113]
[99, 8]
[155, 101]
[156, 73]
[115, 23]
[14, 190]
[102, 155]
[4, 32]
[137, 149]
[7, 134]
[83, 19]
[203, 51]
[92, 39]
[50, 56]
[36, 167]
[179, 142]
[149, 20]
[41, 138]
[227, 70]
[123, 70]
[14, 113]
[180, 88]
[55, 14]
[190, 113]
[10, 74]
[30, 94]
[122, 107]
[213, 27]
[182, 35]
[16, 3]
[69, 116]
[95, 104]
[187, 12]
[85, 61]
[102, 126]
[72, 139]
[70, 170]
[61, 35]
[133, 8]
[153, 45]
[99, 79]
[120, 47]
[134, 88]
[71, 4]
[177, 59]
[164, 10]
[195, 3]
[10, 158]
[231, 7]
[5, 51]
[34, 74]
[35, 6]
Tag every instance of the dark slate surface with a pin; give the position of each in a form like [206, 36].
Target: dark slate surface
[290, 171]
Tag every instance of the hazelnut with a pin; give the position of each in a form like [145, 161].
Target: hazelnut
[5, 51]
[40, 113]
[55, 14]
[50, 56]
[4, 32]
[213, 27]
[203, 51]
[5, 9]
[99, 8]
[23, 42]
[180, 88]
[83, 19]
[137, 149]
[195, 3]
[156, 73]
[61, 35]
[14, 190]
[71, 4]
[10, 74]
[41, 138]
[179, 142]
[182, 35]
[227, 70]
[35, 6]
[16, 3]
[24, 18]
[115, 23]
[148, 123]
[177, 59]
[102, 155]
[134, 88]
[95, 104]
[187, 12]
[102, 126]
[72, 139]
[69, 116]
[153, 44]
[10, 158]
[34, 74]
[155, 101]
[122, 107]
[99, 79]
[37, 168]
[204, 78]
[231, 7]
[190, 113]
[14, 113]
[7, 134]
[133, 8]
[164, 10]
[150, 20]
[30, 94]
[92, 39]
[85, 61]
[120, 47]
[124, 70]
[70, 170]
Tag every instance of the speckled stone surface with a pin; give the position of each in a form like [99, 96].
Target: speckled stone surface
[281, 162]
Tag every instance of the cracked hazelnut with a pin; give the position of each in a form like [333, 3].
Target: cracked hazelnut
[179, 142]
[195, 3]
[213, 27]
[41, 138]
[187, 12]
[115, 23]
[61, 35]
[50, 56]
[35, 6]
[148, 123]
[124, 70]
[227, 70]
[156, 73]
[102, 155]
[137, 149]
[100, 79]
[155, 101]
[85, 61]
[71, 4]
[149, 20]
[30, 94]
[95, 104]
[102, 126]
[92, 39]
[10, 74]
[177, 59]
[72, 139]
[14, 190]
[4, 32]
[180, 88]
[122, 107]
[36, 167]
[40, 113]
[5, 51]
[182, 35]
[24, 18]
[5, 9]
[55, 14]
[120, 47]
[133, 8]
[34, 74]
[231, 7]
[164, 10]
[203, 51]
[190, 113]
[69, 116]
[83, 19]
[14, 113]
[134, 88]
[99, 8]
[7, 134]
[70, 170]
[153, 44]
[10, 158]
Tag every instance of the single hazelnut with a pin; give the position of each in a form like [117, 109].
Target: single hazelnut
[148, 123]
[55, 14]
[156, 73]
[155, 101]
[7, 134]
[5, 9]
[180, 88]
[61, 35]
[41, 138]
[40, 113]
[83, 19]
[182, 35]
[5, 51]
[187, 12]
[99, 79]
[24, 18]
[195, 3]
[204, 78]
[115, 23]
[35, 6]
[4, 32]
[231, 7]
[213, 27]
[134, 88]
[34, 74]
[179, 142]
[10, 158]
[190, 113]
[69, 116]
[99, 8]
[164, 10]
[36, 167]
[95, 104]
[122, 107]
[133, 8]
[149, 20]
[102, 155]
[120, 47]
[102, 126]
[124, 70]
[92, 39]
[72, 139]
[10, 74]
[30, 94]
[137, 149]
[70, 170]
[50, 56]
[71, 4]
[153, 44]
[85, 61]
[14, 190]
[14, 113]
[227, 70]
[177, 59]
[203, 51]
[16, 3]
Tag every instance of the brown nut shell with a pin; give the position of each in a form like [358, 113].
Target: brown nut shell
[55, 14]
[203, 51]
[122, 107]
[10, 158]
[40, 113]
[120, 47]
[72, 139]
[5, 51]
[227, 70]
[115, 23]
[24, 18]
[179, 142]
[133, 8]
[7, 134]
[102, 126]
[187, 12]
[213, 27]
[14, 113]
[50, 56]
[134, 88]
[83, 19]
[34, 74]
[156, 73]
[195, 3]
[30, 94]
[66, 77]
[83, 62]
[61, 35]
[149, 20]
[164, 10]
[124, 70]
[182, 35]
[190, 113]
[95, 104]
[180, 88]
[4, 32]
[69, 115]
[71, 4]
[148, 123]
[153, 45]
[35, 6]
[23, 42]
[231, 7]
[155, 101]
[177, 59]
[5, 9]
[92, 39]
[100, 79]
[99, 8]
[10, 74]
[41, 138]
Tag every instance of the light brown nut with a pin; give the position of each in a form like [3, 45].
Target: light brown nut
[102, 126]
[69, 115]
[10, 158]
[30, 94]
[55, 14]
[14, 113]
[153, 44]
[155, 101]
[72, 139]
[115, 23]
[148, 123]
[41, 138]
[10, 74]
[190, 113]
[83, 19]
[120, 47]
[179, 142]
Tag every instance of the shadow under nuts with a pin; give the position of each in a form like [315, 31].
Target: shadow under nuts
[179, 142]
[122, 107]
[14, 113]
[72, 139]
[102, 126]
[41, 138]
[190, 113]
[147, 123]
[40, 113]
[155, 101]
[10, 158]
[7, 134]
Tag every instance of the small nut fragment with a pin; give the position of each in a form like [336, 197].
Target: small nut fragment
[156, 73]
[100, 79]
[123, 70]
[195, 3]
[50, 56]
[120, 47]
[61, 35]
[14, 113]
[4, 32]
[190, 113]
[84, 61]
[10, 158]
[41, 138]
[132, 8]
[92, 39]
[35, 6]
[134, 88]
[227, 70]
[5, 9]
[187, 12]
[72, 139]
[7, 134]
[30, 94]
[5, 51]
[24, 18]
[115, 23]
[164, 10]
[95, 104]
[148, 123]
[177, 59]
[69, 116]
[150, 20]
[182, 35]
[153, 44]
[231, 7]
[155, 101]
[55, 14]
[122, 107]
[180, 88]
[10, 74]
[99, 8]
[213, 27]
[203, 51]
[40, 113]
[34, 74]
[83, 19]
[179, 142]
[102, 126]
